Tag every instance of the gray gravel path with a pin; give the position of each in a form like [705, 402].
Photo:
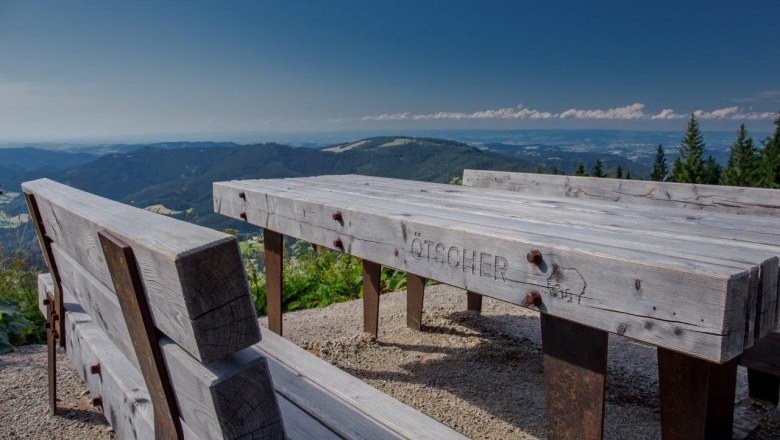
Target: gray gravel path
[481, 375]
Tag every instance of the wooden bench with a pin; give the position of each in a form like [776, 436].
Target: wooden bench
[763, 357]
[156, 316]
[700, 288]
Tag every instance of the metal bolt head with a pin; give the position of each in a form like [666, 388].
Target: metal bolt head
[338, 217]
[337, 243]
[46, 301]
[242, 195]
[533, 298]
[534, 257]
[95, 369]
[97, 401]
[243, 216]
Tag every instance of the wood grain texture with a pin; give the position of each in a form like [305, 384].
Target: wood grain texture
[724, 239]
[192, 275]
[717, 198]
[686, 301]
[210, 397]
[328, 393]
[126, 402]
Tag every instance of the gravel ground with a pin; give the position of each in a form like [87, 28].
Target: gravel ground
[481, 375]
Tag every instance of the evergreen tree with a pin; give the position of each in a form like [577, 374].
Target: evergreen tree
[539, 169]
[619, 172]
[580, 170]
[554, 170]
[689, 166]
[769, 175]
[598, 169]
[712, 171]
[742, 169]
[660, 170]
[628, 175]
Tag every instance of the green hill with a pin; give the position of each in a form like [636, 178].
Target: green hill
[180, 179]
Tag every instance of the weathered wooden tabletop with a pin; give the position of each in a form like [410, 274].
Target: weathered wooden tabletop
[704, 284]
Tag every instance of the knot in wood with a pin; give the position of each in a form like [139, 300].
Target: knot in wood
[533, 299]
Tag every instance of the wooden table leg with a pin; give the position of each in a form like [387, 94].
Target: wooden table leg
[575, 367]
[763, 386]
[697, 397]
[473, 302]
[51, 351]
[372, 274]
[415, 295]
[274, 254]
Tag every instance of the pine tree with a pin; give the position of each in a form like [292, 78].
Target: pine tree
[769, 176]
[540, 169]
[660, 170]
[689, 166]
[712, 171]
[598, 169]
[580, 171]
[619, 172]
[742, 169]
[628, 175]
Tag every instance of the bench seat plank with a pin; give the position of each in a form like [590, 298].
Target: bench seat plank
[311, 393]
[707, 319]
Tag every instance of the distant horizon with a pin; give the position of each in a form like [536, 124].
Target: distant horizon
[332, 137]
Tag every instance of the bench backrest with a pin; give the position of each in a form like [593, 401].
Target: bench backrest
[730, 199]
[198, 299]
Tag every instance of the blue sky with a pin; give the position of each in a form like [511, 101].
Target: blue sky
[104, 69]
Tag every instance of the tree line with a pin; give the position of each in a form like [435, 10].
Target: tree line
[748, 165]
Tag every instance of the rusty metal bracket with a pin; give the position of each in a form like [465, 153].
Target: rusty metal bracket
[55, 322]
[45, 242]
[136, 311]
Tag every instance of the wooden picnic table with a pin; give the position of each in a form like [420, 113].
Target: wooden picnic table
[700, 286]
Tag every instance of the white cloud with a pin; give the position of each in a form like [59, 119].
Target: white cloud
[633, 111]
[668, 113]
[629, 112]
[767, 96]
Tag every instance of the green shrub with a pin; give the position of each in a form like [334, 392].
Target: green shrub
[20, 320]
[313, 276]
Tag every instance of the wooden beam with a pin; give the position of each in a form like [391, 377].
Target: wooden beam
[575, 368]
[197, 296]
[372, 275]
[714, 198]
[473, 302]
[708, 319]
[697, 397]
[274, 285]
[415, 296]
[144, 337]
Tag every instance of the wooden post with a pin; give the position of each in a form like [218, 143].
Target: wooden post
[372, 274]
[135, 308]
[51, 351]
[473, 302]
[763, 386]
[575, 367]
[415, 296]
[697, 397]
[274, 254]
